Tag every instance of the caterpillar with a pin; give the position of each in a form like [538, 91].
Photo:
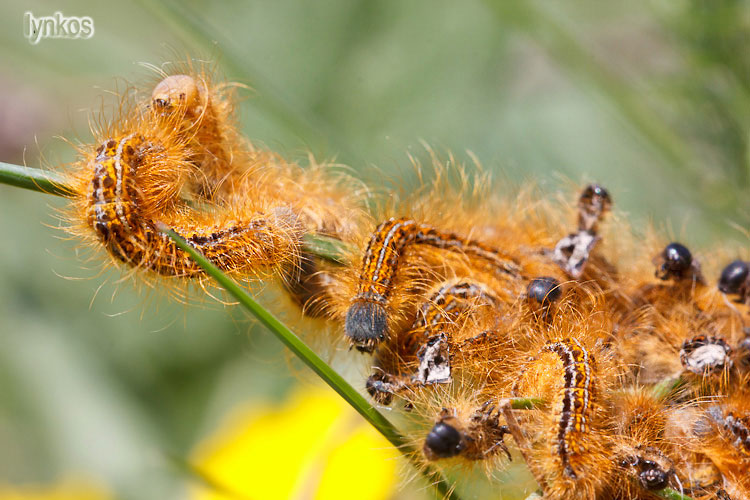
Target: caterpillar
[476, 308]
[366, 321]
[175, 159]
[577, 394]
[119, 215]
[569, 441]
[721, 432]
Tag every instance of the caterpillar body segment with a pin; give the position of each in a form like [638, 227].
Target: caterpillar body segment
[202, 113]
[689, 431]
[120, 217]
[577, 397]
[421, 354]
[366, 321]
[572, 252]
[570, 440]
[721, 433]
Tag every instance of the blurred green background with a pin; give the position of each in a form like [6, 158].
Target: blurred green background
[649, 98]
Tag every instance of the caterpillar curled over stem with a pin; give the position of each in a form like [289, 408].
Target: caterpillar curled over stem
[175, 157]
[115, 212]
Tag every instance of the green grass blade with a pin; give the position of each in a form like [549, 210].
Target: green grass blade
[525, 403]
[326, 247]
[42, 181]
[312, 360]
[33, 179]
[671, 494]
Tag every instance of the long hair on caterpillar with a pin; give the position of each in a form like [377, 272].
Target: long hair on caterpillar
[461, 432]
[571, 368]
[176, 157]
[555, 307]
[405, 254]
[710, 441]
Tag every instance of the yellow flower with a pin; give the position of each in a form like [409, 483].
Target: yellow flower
[313, 447]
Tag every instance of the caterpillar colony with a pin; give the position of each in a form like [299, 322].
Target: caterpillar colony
[635, 351]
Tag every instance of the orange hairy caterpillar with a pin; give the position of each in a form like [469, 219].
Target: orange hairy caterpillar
[646, 460]
[577, 394]
[114, 212]
[570, 444]
[722, 433]
[366, 321]
[176, 159]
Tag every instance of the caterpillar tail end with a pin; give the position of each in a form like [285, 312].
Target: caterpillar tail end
[365, 325]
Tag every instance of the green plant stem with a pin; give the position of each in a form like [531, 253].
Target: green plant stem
[33, 179]
[667, 387]
[42, 181]
[313, 361]
[525, 403]
[671, 494]
[325, 247]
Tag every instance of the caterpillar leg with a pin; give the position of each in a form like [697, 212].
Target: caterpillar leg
[383, 386]
[367, 317]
